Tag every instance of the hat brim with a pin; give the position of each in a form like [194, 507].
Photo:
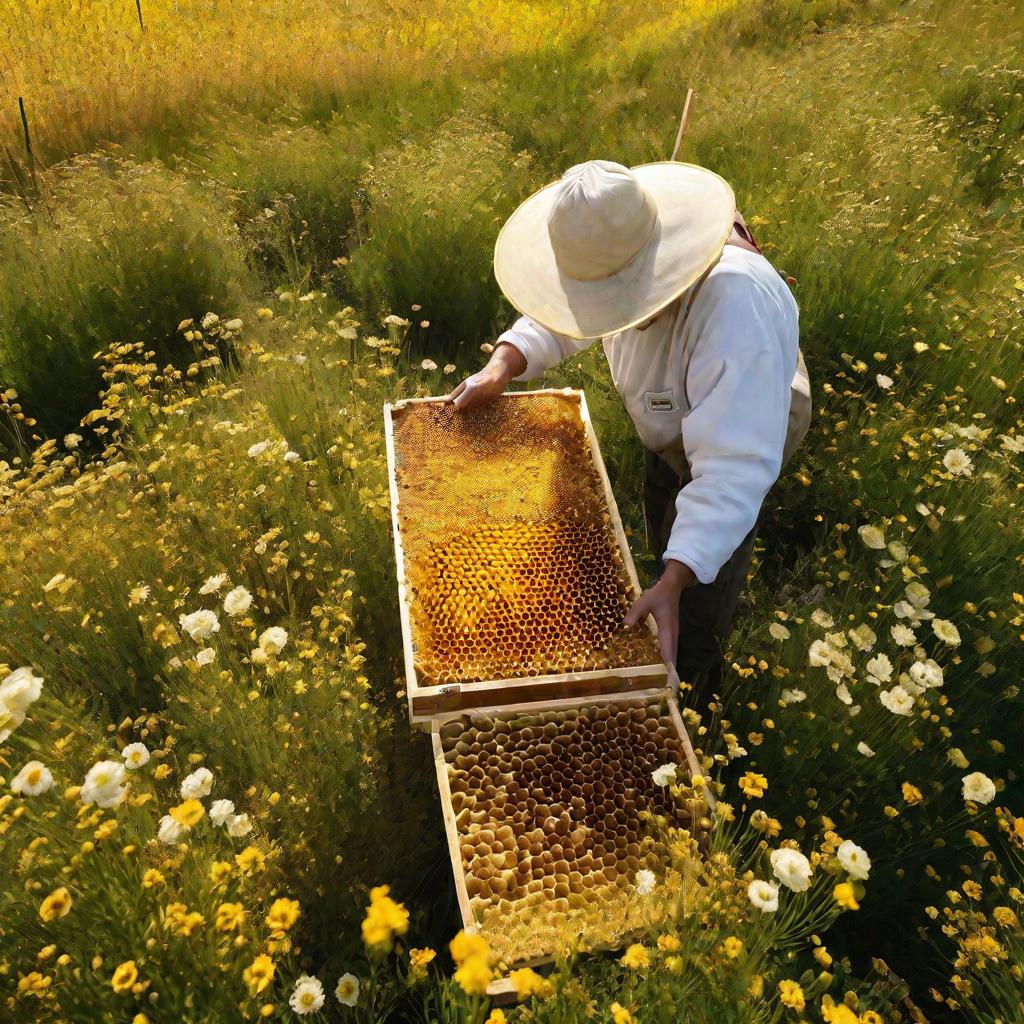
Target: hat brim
[696, 208]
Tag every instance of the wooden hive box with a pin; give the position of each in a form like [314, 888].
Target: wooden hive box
[513, 568]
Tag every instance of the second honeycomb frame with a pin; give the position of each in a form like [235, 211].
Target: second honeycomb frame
[426, 702]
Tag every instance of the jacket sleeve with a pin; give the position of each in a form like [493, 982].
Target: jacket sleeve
[541, 348]
[738, 389]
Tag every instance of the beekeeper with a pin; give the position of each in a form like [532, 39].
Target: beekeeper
[701, 335]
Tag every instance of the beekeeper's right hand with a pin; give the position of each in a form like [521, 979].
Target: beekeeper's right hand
[484, 386]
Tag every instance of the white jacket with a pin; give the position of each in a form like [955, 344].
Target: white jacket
[709, 391]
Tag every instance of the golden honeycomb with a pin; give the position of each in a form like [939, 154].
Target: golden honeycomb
[549, 808]
[511, 560]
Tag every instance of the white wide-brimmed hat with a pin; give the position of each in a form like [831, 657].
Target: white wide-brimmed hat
[606, 246]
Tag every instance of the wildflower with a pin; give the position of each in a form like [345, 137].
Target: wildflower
[221, 811]
[239, 825]
[765, 823]
[237, 601]
[205, 656]
[197, 784]
[72, 440]
[636, 957]
[791, 868]
[135, 755]
[250, 860]
[792, 696]
[903, 635]
[837, 1013]
[273, 640]
[844, 895]
[19, 689]
[56, 905]
[753, 785]
[152, 878]
[897, 700]
[170, 830]
[449, 368]
[125, 975]
[474, 975]
[863, 637]
[884, 382]
[668, 943]
[34, 984]
[791, 995]
[256, 450]
[213, 583]
[911, 794]
[347, 990]
[385, 918]
[199, 625]
[290, 456]
[863, 748]
[879, 669]
[665, 774]
[872, 537]
[138, 595]
[778, 631]
[855, 861]
[926, 674]
[821, 618]
[283, 914]
[645, 882]
[764, 896]
[527, 982]
[420, 960]
[871, 1017]
[822, 955]
[428, 364]
[496, 1016]
[946, 632]
[229, 917]
[979, 788]
[104, 784]
[33, 780]
[620, 1015]
[958, 462]
[220, 871]
[258, 975]
[733, 947]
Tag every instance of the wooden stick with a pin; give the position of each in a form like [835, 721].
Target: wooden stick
[682, 123]
[138, 7]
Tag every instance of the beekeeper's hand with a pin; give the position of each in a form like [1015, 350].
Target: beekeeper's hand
[662, 601]
[486, 385]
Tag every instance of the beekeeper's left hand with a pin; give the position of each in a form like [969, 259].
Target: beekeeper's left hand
[662, 602]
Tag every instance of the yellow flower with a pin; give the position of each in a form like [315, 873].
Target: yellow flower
[674, 964]
[468, 944]
[822, 955]
[620, 1015]
[188, 813]
[219, 871]
[57, 904]
[140, 1018]
[635, 957]
[419, 960]
[34, 984]
[229, 917]
[837, 1013]
[125, 975]
[258, 975]
[844, 895]
[791, 995]
[753, 785]
[733, 947]
[496, 1017]
[870, 1017]
[152, 878]
[250, 860]
[474, 975]
[283, 914]
[528, 982]
[756, 988]
[384, 918]
[668, 943]
[912, 794]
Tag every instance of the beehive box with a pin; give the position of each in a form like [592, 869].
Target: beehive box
[513, 569]
[544, 809]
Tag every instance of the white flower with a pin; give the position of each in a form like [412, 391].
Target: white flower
[897, 700]
[863, 637]
[18, 691]
[300, 358]
[451, 368]
[137, 595]
[958, 462]
[258, 656]
[903, 636]
[1012, 445]
[209, 319]
[863, 748]
[135, 755]
[347, 990]
[872, 536]
[844, 695]
[820, 654]
[272, 640]
[239, 826]
[822, 619]
[233, 325]
[792, 869]
[883, 381]
[33, 779]
[918, 594]
[259, 448]
[237, 601]
[926, 674]
[54, 582]
[793, 696]
[291, 456]
[979, 788]
[946, 631]
[199, 625]
[308, 996]
[72, 440]
[398, 321]
[170, 831]
[428, 364]
[221, 812]
[198, 784]
[855, 861]
[880, 668]
[104, 784]
[664, 774]
[764, 896]
[898, 550]
[778, 631]
[213, 583]
[645, 882]
[205, 656]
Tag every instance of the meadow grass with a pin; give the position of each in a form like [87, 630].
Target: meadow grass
[874, 148]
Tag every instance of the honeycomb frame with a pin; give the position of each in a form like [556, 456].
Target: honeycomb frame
[599, 873]
[514, 519]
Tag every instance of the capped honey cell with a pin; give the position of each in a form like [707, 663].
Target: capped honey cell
[512, 566]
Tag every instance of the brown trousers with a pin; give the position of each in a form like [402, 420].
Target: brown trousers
[706, 610]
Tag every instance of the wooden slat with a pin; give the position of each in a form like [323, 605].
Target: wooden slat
[451, 830]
